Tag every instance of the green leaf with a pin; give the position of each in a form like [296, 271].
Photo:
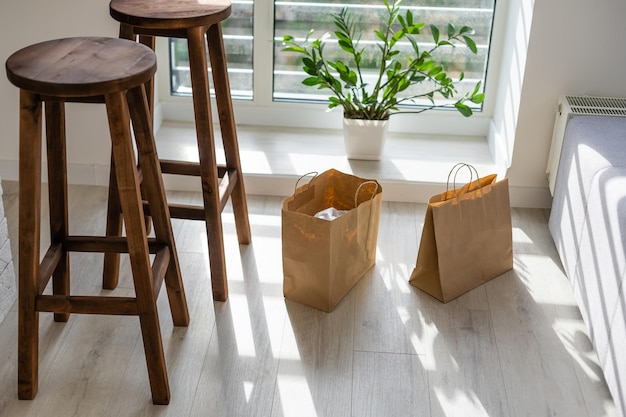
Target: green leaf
[434, 71]
[415, 29]
[308, 62]
[427, 65]
[311, 81]
[477, 88]
[380, 35]
[288, 39]
[350, 78]
[451, 30]
[403, 84]
[294, 48]
[342, 36]
[346, 46]
[311, 71]
[464, 109]
[435, 31]
[478, 98]
[470, 44]
[466, 30]
[397, 36]
[409, 17]
[403, 23]
[341, 67]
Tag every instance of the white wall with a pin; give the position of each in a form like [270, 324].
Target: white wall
[25, 22]
[575, 47]
[553, 47]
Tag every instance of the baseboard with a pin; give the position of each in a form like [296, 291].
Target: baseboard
[283, 185]
[399, 191]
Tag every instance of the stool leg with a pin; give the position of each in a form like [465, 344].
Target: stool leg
[115, 220]
[57, 196]
[228, 128]
[29, 244]
[110, 274]
[130, 198]
[150, 42]
[152, 186]
[208, 165]
[128, 32]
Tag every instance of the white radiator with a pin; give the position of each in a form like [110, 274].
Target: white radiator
[570, 106]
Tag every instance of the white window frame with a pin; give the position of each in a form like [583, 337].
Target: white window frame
[263, 111]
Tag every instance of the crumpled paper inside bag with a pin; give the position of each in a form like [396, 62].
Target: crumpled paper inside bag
[330, 213]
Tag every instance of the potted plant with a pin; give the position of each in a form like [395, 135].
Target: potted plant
[369, 104]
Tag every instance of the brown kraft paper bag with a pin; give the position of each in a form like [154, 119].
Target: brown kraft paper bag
[324, 259]
[466, 240]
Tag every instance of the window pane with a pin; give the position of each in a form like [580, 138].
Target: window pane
[297, 18]
[237, 31]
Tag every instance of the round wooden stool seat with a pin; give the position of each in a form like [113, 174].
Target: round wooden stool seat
[169, 14]
[81, 67]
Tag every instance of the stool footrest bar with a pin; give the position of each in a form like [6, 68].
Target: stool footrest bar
[104, 244]
[159, 269]
[80, 304]
[169, 166]
[48, 265]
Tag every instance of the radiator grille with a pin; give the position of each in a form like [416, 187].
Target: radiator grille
[603, 106]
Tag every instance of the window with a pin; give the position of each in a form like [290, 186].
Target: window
[297, 17]
[238, 42]
[263, 76]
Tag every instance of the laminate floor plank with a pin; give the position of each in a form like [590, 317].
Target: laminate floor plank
[238, 375]
[464, 371]
[539, 374]
[387, 317]
[315, 375]
[390, 385]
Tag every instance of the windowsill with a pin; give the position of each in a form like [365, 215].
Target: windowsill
[412, 169]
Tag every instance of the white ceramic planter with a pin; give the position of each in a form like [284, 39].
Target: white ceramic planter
[365, 139]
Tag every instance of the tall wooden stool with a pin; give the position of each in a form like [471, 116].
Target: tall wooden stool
[112, 71]
[193, 20]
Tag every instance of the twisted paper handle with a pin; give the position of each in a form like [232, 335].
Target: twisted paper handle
[313, 173]
[456, 168]
[356, 194]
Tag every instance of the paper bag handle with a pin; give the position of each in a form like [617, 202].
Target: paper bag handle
[456, 168]
[313, 173]
[356, 194]
[356, 201]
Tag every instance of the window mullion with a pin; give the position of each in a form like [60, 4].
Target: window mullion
[263, 29]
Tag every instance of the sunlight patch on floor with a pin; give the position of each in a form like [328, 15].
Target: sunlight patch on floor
[460, 400]
[247, 388]
[295, 396]
[242, 325]
[550, 286]
[426, 343]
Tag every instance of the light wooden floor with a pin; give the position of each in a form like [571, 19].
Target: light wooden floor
[514, 347]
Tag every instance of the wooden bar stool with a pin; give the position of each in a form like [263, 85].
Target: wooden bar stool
[193, 20]
[102, 70]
